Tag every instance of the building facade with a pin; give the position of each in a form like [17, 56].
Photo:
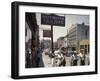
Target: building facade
[76, 35]
[60, 42]
[31, 40]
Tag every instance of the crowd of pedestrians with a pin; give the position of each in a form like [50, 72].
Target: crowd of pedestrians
[58, 58]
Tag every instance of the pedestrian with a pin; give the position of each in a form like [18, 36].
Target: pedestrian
[83, 59]
[54, 60]
[63, 54]
[79, 56]
[37, 59]
[28, 60]
[60, 59]
[52, 56]
[87, 59]
[74, 59]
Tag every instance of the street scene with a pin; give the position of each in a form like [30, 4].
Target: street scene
[56, 40]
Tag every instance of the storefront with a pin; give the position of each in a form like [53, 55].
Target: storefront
[85, 46]
[31, 39]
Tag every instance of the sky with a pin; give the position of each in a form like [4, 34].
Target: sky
[59, 31]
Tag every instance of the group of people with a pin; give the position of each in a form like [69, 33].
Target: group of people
[58, 58]
[79, 59]
[33, 58]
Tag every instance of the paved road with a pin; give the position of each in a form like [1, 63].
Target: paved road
[68, 61]
[47, 61]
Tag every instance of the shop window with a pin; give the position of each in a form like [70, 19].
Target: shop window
[81, 46]
[85, 51]
[88, 48]
[85, 46]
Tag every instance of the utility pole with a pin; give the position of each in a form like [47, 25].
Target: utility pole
[52, 39]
